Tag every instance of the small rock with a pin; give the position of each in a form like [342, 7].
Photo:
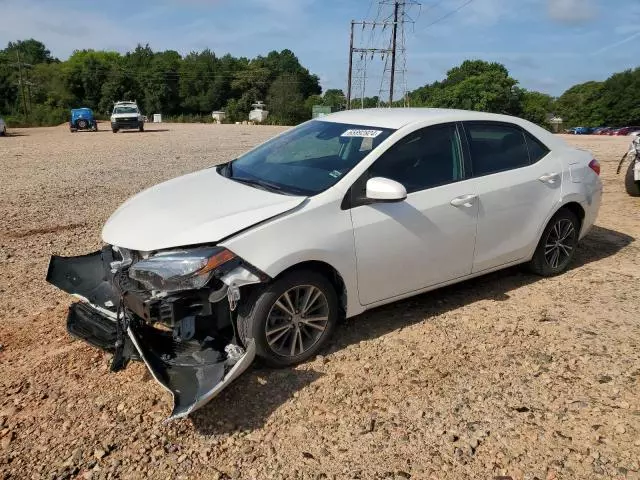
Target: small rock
[620, 429]
[604, 379]
[99, 454]
[308, 455]
[182, 458]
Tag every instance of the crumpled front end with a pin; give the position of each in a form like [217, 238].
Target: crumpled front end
[187, 338]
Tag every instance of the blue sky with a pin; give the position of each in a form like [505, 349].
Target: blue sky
[548, 45]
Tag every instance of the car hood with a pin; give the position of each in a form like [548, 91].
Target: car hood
[201, 207]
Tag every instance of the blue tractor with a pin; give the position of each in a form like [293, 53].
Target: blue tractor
[82, 119]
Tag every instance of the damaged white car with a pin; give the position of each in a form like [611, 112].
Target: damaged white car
[262, 255]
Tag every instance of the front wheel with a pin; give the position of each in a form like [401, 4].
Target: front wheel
[141, 127]
[291, 319]
[557, 245]
[3, 132]
[631, 185]
[114, 130]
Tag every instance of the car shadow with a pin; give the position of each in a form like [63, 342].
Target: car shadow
[262, 390]
[146, 130]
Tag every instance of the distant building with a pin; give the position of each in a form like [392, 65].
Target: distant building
[556, 123]
[258, 114]
[218, 116]
[320, 111]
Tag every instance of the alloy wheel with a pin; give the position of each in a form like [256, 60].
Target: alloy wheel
[560, 244]
[297, 320]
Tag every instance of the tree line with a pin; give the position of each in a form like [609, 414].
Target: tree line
[38, 89]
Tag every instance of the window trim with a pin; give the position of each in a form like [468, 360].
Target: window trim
[537, 140]
[467, 123]
[350, 200]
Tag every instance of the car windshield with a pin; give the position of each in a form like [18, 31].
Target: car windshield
[307, 159]
[125, 110]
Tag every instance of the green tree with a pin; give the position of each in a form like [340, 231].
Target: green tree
[286, 102]
[536, 107]
[581, 105]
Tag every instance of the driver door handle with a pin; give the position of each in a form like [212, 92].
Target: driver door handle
[550, 178]
[464, 201]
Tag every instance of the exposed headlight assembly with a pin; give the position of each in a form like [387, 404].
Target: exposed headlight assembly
[180, 270]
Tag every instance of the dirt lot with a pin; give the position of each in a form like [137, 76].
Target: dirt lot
[508, 374]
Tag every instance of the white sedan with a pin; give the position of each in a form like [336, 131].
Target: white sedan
[262, 255]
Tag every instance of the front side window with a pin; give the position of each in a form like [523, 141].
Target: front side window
[496, 147]
[426, 158]
[307, 159]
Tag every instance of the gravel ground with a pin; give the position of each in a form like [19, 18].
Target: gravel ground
[505, 375]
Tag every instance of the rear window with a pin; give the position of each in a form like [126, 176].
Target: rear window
[496, 147]
[537, 149]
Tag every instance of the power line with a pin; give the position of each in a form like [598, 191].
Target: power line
[447, 15]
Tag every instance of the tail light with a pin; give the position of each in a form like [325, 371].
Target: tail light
[595, 166]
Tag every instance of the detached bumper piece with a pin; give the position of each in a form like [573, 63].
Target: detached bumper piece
[185, 355]
[85, 323]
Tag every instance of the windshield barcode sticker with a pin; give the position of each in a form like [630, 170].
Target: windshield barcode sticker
[361, 133]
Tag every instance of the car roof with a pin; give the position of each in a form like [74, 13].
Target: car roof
[399, 117]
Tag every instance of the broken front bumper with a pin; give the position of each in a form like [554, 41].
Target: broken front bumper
[115, 318]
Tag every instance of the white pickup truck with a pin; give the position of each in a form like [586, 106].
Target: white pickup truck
[126, 116]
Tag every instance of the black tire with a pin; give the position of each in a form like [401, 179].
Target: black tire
[542, 262]
[141, 127]
[630, 184]
[253, 314]
[114, 130]
[82, 124]
[73, 130]
[3, 132]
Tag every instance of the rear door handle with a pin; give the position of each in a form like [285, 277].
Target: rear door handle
[550, 178]
[464, 201]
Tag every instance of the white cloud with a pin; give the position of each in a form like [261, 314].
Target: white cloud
[571, 11]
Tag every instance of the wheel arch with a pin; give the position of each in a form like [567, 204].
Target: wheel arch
[327, 271]
[571, 204]
[575, 208]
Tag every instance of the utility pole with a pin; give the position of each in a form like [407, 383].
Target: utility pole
[21, 83]
[394, 46]
[349, 81]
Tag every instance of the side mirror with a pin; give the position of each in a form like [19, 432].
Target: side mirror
[385, 190]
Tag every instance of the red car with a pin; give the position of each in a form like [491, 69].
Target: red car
[624, 131]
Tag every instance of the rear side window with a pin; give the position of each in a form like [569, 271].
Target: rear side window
[426, 158]
[496, 147]
[537, 149]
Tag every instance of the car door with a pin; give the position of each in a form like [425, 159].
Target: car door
[518, 181]
[428, 238]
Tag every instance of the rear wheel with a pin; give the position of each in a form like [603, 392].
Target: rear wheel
[82, 124]
[141, 127]
[114, 130]
[557, 245]
[630, 183]
[291, 319]
[3, 132]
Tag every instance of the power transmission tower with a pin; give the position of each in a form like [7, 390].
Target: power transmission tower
[394, 77]
[392, 52]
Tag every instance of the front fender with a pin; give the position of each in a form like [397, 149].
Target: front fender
[321, 233]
